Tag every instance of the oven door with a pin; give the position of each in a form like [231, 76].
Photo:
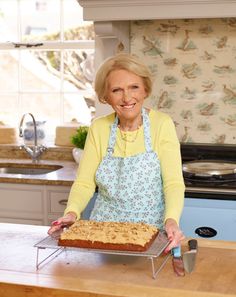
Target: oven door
[210, 196]
[211, 218]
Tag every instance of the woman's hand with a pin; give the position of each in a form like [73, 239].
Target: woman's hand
[62, 222]
[174, 234]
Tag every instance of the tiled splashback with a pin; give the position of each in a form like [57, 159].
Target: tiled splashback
[194, 66]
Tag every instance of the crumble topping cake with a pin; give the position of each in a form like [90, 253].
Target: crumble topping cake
[109, 235]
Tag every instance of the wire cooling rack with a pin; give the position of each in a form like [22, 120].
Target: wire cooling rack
[154, 251]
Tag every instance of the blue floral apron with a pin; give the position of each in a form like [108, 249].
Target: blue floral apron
[130, 188]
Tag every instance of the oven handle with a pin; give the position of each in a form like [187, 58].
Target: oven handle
[209, 190]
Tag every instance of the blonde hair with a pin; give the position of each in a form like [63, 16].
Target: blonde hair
[123, 61]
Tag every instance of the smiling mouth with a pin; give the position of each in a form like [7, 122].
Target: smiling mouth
[128, 106]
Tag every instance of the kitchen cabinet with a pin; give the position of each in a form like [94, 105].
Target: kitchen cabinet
[94, 10]
[32, 204]
[57, 197]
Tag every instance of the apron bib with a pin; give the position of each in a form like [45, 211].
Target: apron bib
[130, 188]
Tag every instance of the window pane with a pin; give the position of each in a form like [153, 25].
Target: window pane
[44, 107]
[55, 84]
[9, 109]
[41, 19]
[40, 70]
[78, 70]
[78, 78]
[74, 26]
[8, 20]
[75, 107]
[81, 32]
[9, 71]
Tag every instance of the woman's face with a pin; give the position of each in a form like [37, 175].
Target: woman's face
[125, 93]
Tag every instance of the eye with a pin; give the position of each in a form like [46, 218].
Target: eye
[116, 90]
[134, 87]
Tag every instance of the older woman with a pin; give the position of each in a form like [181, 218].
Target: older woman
[132, 155]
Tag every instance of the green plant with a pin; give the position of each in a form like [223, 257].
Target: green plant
[79, 138]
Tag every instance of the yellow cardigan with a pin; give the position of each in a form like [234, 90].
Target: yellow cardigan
[165, 143]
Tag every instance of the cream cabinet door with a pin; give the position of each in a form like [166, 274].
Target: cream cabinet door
[32, 204]
[21, 203]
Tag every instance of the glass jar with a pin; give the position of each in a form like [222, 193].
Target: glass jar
[28, 133]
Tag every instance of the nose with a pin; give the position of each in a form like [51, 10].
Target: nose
[126, 95]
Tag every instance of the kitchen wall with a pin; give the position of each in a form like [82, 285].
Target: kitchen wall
[193, 62]
[190, 47]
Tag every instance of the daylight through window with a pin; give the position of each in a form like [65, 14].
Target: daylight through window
[46, 63]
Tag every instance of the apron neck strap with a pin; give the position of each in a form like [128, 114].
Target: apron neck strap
[112, 138]
[146, 130]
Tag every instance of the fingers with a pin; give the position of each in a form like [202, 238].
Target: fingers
[53, 229]
[56, 226]
[175, 240]
[174, 243]
[62, 222]
[174, 234]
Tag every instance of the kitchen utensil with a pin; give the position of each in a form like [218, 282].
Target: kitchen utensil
[177, 261]
[189, 257]
[209, 168]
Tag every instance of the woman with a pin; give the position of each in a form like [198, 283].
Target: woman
[131, 155]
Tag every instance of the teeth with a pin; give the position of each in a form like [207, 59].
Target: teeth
[128, 106]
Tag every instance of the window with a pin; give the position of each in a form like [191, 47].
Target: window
[46, 63]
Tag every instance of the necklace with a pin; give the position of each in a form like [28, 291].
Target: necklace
[130, 137]
[127, 137]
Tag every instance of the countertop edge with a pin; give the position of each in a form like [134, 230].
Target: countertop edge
[29, 283]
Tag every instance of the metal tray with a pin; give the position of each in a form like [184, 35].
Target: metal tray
[154, 251]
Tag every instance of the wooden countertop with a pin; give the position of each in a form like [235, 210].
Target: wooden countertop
[63, 176]
[74, 273]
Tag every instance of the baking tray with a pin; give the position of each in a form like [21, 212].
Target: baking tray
[154, 251]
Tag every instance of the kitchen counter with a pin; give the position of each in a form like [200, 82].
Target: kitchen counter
[74, 273]
[63, 176]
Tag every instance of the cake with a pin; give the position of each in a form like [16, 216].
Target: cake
[124, 236]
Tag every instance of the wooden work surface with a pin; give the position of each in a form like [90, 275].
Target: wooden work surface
[75, 273]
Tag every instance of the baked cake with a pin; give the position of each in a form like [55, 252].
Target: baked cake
[123, 236]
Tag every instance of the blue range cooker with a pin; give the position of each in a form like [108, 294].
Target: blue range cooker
[210, 197]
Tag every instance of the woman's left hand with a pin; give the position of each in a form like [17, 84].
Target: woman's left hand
[174, 234]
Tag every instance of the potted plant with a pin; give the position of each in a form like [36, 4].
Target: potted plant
[78, 140]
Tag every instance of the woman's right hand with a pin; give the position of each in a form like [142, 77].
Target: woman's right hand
[62, 222]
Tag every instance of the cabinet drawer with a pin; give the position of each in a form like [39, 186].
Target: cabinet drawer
[58, 201]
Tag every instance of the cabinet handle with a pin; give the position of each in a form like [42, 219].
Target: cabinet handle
[63, 202]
